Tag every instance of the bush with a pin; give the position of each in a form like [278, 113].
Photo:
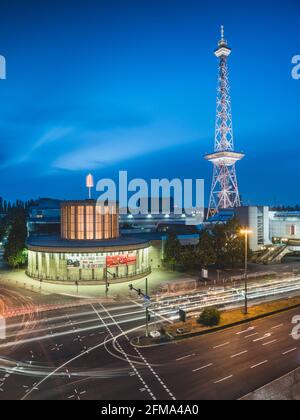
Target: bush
[210, 317]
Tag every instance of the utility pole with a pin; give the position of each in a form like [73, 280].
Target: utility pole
[246, 233]
[147, 303]
[147, 310]
[106, 281]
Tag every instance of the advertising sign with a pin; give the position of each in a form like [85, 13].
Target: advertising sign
[86, 262]
[115, 260]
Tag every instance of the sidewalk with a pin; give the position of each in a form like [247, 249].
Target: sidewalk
[20, 279]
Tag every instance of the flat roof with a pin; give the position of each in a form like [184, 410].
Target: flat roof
[55, 243]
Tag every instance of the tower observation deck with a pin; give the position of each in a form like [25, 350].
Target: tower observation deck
[224, 191]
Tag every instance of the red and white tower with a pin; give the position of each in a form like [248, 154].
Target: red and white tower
[224, 191]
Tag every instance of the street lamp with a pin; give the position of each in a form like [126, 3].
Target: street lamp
[246, 233]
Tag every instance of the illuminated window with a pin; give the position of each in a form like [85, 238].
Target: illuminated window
[90, 222]
[80, 223]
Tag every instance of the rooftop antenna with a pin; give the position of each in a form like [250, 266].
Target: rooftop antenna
[223, 41]
[90, 184]
[222, 33]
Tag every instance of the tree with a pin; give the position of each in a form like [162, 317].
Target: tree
[172, 250]
[210, 317]
[188, 257]
[205, 251]
[229, 244]
[15, 248]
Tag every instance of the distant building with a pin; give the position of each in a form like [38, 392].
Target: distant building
[44, 217]
[284, 225]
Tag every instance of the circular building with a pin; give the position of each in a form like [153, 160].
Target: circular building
[89, 249]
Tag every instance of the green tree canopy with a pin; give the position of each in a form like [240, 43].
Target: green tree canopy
[172, 249]
[210, 317]
[15, 249]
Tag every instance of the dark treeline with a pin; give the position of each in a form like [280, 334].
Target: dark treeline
[221, 246]
[7, 206]
[13, 231]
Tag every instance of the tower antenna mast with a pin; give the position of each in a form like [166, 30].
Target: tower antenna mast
[224, 190]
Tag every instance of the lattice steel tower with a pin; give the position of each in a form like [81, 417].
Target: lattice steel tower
[224, 190]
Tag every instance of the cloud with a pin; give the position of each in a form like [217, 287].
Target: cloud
[100, 149]
[51, 135]
[54, 134]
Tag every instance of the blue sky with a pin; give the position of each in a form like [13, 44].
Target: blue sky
[113, 85]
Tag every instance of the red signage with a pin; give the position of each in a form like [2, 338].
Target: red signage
[114, 261]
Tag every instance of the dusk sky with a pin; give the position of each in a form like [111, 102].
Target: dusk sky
[109, 85]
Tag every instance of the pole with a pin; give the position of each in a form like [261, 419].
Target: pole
[147, 311]
[246, 273]
[106, 282]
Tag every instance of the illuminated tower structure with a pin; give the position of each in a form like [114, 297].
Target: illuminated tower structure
[224, 190]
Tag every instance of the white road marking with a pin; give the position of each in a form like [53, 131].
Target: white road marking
[185, 357]
[224, 379]
[245, 331]
[221, 345]
[268, 335]
[251, 335]
[277, 326]
[259, 364]
[239, 354]
[269, 342]
[203, 367]
[289, 351]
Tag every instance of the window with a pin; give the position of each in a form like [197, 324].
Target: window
[293, 230]
[90, 222]
[80, 223]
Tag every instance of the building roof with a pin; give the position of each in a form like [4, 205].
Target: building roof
[56, 244]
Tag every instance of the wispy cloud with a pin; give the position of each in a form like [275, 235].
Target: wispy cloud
[100, 149]
[50, 136]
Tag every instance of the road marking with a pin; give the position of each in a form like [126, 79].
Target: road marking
[289, 351]
[239, 354]
[277, 326]
[245, 331]
[224, 379]
[268, 335]
[221, 345]
[251, 335]
[185, 357]
[269, 342]
[259, 364]
[203, 367]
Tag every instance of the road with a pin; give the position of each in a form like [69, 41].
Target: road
[85, 352]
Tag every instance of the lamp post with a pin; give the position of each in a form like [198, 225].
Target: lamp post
[246, 233]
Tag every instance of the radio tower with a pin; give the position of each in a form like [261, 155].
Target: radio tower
[224, 190]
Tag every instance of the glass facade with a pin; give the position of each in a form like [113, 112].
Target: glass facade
[54, 266]
[85, 220]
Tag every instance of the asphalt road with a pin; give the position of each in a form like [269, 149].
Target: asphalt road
[86, 353]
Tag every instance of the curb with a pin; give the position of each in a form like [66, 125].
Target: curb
[222, 328]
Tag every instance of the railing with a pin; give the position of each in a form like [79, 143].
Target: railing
[111, 279]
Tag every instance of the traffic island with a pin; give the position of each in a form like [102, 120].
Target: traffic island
[232, 318]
